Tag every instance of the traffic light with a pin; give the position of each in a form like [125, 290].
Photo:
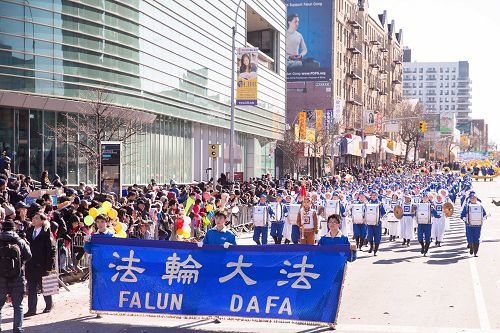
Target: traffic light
[422, 126]
[213, 150]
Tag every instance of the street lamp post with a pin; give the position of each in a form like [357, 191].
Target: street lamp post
[233, 69]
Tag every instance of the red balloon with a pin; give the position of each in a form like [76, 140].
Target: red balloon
[180, 223]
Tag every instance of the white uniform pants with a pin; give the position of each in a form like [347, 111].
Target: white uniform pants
[407, 227]
[438, 227]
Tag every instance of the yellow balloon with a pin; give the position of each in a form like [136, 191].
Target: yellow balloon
[186, 234]
[121, 234]
[93, 212]
[107, 206]
[209, 208]
[112, 214]
[118, 227]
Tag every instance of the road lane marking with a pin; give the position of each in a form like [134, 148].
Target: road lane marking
[484, 321]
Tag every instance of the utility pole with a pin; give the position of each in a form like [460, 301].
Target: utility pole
[233, 69]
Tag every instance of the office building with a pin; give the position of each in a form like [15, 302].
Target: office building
[169, 60]
[442, 87]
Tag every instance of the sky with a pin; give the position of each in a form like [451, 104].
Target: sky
[455, 30]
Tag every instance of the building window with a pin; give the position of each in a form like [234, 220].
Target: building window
[261, 34]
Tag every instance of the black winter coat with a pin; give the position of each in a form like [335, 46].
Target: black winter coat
[15, 284]
[43, 254]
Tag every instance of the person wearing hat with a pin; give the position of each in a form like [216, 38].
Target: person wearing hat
[260, 217]
[407, 219]
[438, 220]
[307, 222]
[374, 231]
[357, 210]
[473, 214]
[22, 218]
[393, 224]
[12, 271]
[424, 224]
[278, 219]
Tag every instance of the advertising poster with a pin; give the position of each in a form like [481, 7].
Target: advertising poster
[111, 167]
[309, 40]
[246, 89]
[370, 125]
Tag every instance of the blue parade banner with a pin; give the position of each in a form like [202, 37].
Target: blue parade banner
[286, 283]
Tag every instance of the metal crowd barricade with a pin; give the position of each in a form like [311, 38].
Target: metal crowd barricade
[242, 221]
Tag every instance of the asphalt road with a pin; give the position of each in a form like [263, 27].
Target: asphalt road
[397, 291]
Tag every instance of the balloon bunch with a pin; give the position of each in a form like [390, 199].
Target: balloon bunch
[183, 226]
[105, 209]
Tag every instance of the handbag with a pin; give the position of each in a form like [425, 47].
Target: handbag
[50, 284]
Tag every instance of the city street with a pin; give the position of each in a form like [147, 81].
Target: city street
[396, 291]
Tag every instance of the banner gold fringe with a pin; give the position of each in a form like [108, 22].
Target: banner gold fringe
[212, 317]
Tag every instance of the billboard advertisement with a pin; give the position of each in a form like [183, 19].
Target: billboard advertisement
[246, 90]
[309, 40]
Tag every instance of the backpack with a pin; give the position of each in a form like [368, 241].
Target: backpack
[10, 260]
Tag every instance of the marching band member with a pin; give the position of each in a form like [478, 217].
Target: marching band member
[392, 221]
[438, 220]
[407, 220]
[374, 211]
[307, 222]
[424, 224]
[287, 228]
[278, 220]
[260, 216]
[358, 220]
[346, 222]
[473, 214]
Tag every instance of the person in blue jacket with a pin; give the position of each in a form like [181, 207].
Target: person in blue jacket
[219, 235]
[473, 214]
[335, 236]
[374, 232]
[102, 231]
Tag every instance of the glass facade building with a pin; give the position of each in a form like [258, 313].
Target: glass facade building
[171, 59]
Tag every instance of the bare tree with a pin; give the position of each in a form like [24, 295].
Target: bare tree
[412, 111]
[291, 150]
[98, 120]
